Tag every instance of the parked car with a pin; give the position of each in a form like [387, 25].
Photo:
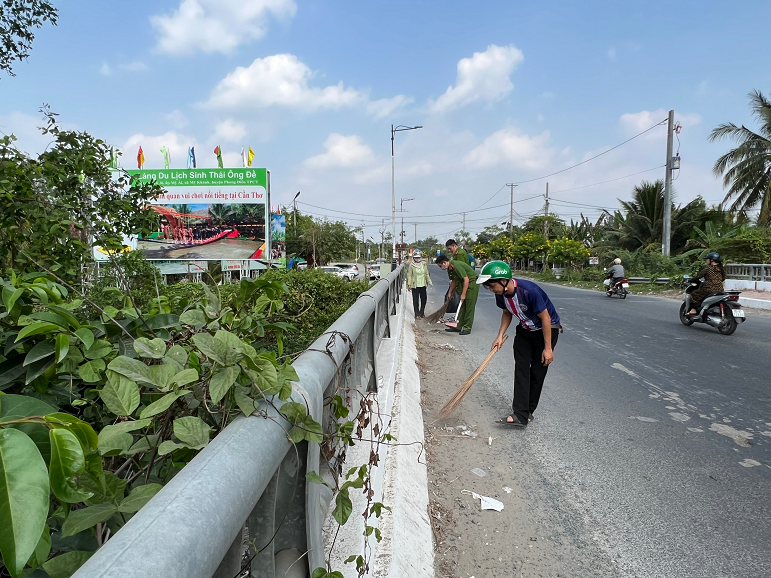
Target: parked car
[347, 275]
[374, 272]
[349, 268]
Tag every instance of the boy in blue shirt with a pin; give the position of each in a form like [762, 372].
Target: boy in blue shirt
[535, 339]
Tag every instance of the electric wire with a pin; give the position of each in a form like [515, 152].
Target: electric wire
[609, 181]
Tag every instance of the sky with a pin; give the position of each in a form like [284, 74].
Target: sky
[506, 92]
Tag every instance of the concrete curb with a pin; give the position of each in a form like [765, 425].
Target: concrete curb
[407, 548]
[755, 303]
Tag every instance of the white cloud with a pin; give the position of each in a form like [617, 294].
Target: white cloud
[612, 54]
[24, 127]
[342, 151]
[229, 131]
[386, 106]
[637, 122]
[280, 80]
[484, 76]
[135, 66]
[216, 25]
[510, 149]
[177, 119]
[151, 147]
[105, 69]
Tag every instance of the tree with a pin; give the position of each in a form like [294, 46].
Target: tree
[18, 18]
[56, 207]
[567, 251]
[530, 246]
[489, 233]
[319, 241]
[587, 232]
[221, 213]
[746, 169]
[501, 248]
[539, 223]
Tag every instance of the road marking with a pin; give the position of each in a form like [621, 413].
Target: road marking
[642, 418]
[748, 463]
[624, 369]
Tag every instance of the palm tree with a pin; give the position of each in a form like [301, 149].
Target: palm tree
[221, 213]
[746, 169]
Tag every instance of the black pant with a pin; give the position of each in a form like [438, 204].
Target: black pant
[419, 294]
[529, 371]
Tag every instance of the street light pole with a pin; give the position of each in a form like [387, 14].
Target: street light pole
[294, 211]
[394, 130]
[401, 210]
[511, 210]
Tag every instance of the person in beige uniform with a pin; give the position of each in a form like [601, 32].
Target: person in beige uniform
[417, 280]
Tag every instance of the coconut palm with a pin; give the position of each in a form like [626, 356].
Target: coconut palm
[746, 169]
[221, 213]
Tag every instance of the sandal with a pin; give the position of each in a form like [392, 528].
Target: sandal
[530, 417]
[512, 421]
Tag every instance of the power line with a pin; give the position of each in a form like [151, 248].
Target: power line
[611, 180]
[594, 157]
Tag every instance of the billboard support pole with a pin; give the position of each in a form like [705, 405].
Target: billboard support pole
[268, 249]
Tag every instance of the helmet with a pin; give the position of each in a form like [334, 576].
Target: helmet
[715, 256]
[494, 270]
[417, 253]
[617, 261]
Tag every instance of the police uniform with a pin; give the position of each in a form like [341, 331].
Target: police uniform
[458, 271]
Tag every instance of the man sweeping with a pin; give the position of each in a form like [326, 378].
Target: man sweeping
[463, 281]
[535, 339]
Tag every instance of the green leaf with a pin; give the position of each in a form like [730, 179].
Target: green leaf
[162, 321]
[314, 478]
[114, 443]
[37, 328]
[68, 316]
[343, 507]
[120, 394]
[178, 354]
[67, 564]
[37, 369]
[294, 412]
[192, 431]
[150, 348]
[90, 371]
[99, 349]
[42, 550]
[67, 462]
[264, 374]
[126, 426]
[24, 498]
[62, 346]
[10, 300]
[245, 403]
[222, 381]
[184, 377]
[138, 497]
[86, 336]
[82, 430]
[169, 446]
[193, 317]
[10, 370]
[162, 404]
[107, 488]
[131, 368]
[212, 348]
[40, 351]
[80, 520]
[161, 375]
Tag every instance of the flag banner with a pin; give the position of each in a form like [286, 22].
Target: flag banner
[250, 157]
[191, 158]
[113, 158]
[218, 152]
[243, 158]
[192, 155]
[166, 157]
[140, 158]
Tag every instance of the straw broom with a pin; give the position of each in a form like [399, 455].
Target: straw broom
[455, 400]
[437, 315]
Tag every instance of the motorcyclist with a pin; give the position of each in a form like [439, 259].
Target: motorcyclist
[713, 275]
[615, 274]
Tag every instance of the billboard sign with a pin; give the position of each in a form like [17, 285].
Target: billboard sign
[209, 214]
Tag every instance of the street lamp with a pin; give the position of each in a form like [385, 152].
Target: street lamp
[401, 210]
[394, 130]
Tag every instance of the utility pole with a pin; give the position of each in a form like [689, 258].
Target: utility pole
[511, 210]
[416, 233]
[463, 227]
[382, 238]
[546, 214]
[666, 229]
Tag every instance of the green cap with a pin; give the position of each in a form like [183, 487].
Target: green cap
[494, 270]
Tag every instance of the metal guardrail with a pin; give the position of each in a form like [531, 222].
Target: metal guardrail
[248, 485]
[748, 271]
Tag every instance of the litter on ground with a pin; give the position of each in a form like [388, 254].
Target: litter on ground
[486, 502]
[479, 472]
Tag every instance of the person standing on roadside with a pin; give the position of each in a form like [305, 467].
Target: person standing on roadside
[417, 279]
[535, 339]
[458, 253]
[463, 281]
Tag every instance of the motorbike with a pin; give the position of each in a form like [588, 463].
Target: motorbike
[721, 310]
[620, 287]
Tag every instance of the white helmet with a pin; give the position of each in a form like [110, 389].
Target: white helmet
[417, 253]
[617, 261]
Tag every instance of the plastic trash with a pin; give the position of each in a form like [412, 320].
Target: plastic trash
[507, 489]
[486, 502]
[479, 472]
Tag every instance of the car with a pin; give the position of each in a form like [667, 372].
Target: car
[349, 268]
[347, 275]
[374, 272]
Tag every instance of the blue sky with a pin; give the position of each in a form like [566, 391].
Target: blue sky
[506, 92]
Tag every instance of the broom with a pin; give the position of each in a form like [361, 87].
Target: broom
[455, 400]
[438, 314]
[454, 322]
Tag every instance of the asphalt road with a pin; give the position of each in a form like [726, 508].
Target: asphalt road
[652, 440]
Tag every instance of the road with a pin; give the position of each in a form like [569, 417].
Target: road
[650, 454]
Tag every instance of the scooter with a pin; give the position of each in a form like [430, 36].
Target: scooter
[620, 288]
[721, 310]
